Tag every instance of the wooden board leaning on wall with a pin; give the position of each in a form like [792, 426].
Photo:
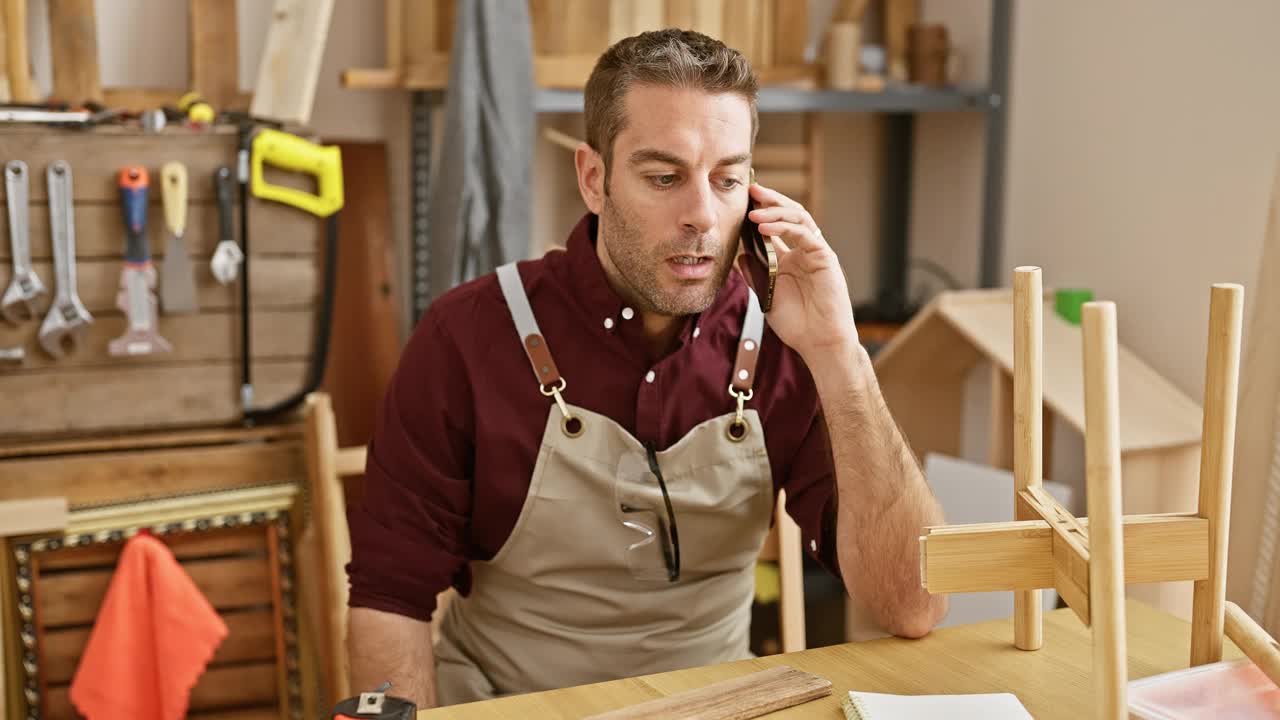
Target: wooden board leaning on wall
[198, 383]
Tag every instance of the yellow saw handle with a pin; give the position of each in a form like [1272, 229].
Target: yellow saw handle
[290, 152]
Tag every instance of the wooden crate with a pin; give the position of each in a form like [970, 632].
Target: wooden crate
[569, 35]
[237, 548]
[198, 383]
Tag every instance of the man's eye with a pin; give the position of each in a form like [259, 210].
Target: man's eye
[730, 183]
[663, 180]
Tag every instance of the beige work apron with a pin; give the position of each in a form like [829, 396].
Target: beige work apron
[566, 600]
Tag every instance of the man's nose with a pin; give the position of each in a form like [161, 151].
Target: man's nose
[699, 212]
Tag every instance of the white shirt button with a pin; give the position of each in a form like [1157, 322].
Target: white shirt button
[697, 331]
[813, 545]
[649, 376]
[608, 323]
[628, 313]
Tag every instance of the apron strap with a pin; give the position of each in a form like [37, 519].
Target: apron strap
[744, 365]
[535, 346]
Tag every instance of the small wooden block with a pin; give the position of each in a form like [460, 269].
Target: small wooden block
[745, 697]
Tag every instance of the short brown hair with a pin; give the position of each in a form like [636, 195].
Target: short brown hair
[663, 58]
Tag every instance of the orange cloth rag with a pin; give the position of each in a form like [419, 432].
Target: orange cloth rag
[151, 641]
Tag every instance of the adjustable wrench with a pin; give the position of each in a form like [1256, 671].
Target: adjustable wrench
[67, 320]
[227, 256]
[24, 286]
[138, 278]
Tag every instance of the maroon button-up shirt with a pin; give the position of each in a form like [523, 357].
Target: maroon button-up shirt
[461, 425]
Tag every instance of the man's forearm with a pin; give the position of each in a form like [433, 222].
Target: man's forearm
[384, 646]
[884, 501]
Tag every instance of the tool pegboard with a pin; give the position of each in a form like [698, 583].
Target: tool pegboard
[197, 382]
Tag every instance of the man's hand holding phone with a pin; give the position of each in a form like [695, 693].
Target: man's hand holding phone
[809, 308]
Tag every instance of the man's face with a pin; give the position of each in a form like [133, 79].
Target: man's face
[675, 197]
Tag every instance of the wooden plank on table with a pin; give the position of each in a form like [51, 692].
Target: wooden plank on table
[73, 45]
[215, 52]
[988, 557]
[73, 598]
[739, 698]
[22, 88]
[134, 98]
[75, 401]
[35, 515]
[250, 638]
[274, 229]
[225, 687]
[208, 336]
[290, 65]
[127, 476]
[563, 71]
[186, 545]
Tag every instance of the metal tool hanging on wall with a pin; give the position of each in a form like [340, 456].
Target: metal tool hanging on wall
[177, 286]
[138, 277]
[259, 148]
[68, 320]
[227, 256]
[24, 286]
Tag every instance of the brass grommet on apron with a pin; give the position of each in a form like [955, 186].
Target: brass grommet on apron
[572, 426]
[738, 428]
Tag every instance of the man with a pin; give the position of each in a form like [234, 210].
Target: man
[588, 446]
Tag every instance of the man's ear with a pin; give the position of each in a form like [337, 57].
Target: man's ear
[590, 166]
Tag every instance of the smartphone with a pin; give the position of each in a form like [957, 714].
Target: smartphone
[759, 261]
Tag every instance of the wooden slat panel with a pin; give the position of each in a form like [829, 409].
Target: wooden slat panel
[77, 400]
[274, 229]
[248, 540]
[73, 44]
[149, 441]
[215, 51]
[218, 688]
[123, 476]
[212, 336]
[740, 20]
[790, 31]
[277, 282]
[96, 157]
[74, 598]
[250, 637]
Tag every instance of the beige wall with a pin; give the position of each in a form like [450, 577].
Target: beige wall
[1142, 144]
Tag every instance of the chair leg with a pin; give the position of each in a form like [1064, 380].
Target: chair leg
[1222, 375]
[1028, 396]
[1106, 537]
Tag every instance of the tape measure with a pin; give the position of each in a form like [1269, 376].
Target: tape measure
[375, 706]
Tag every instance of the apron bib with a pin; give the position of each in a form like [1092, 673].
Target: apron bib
[582, 589]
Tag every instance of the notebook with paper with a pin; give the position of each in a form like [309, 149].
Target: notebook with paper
[878, 706]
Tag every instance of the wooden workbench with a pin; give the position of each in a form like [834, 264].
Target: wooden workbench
[1052, 682]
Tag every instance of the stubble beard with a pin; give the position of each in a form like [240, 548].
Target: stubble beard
[639, 269]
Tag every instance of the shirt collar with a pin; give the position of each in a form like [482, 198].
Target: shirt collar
[590, 287]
